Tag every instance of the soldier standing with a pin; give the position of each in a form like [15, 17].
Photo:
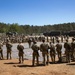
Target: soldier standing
[58, 49]
[62, 38]
[29, 42]
[53, 39]
[73, 49]
[20, 48]
[44, 49]
[47, 39]
[35, 54]
[67, 47]
[8, 46]
[52, 52]
[1, 50]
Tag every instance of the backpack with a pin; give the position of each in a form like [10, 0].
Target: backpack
[9, 45]
[35, 48]
[44, 47]
[59, 46]
[67, 46]
[73, 45]
[20, 47]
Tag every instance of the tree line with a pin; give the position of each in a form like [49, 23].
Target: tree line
[29, 29]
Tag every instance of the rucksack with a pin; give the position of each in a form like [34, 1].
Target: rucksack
[44, 46]
[67, 45]
[35, 48]
[59, 46]
[20, 47]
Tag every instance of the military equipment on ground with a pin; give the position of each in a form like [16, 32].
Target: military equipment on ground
[52, 33]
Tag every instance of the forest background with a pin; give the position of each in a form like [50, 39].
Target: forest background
[30, 29]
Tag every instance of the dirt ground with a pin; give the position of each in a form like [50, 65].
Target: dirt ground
[12, 67]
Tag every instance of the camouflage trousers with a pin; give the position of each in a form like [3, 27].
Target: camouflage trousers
[8, 53]
[45, 56]
[21, 57]
[1, 53]
[52, 54]
[68, 56]
[59, 54]
[35, 56]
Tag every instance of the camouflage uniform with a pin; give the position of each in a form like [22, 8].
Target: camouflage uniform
[67, 47]
[20, 48]
[52, 52]
[29, 42]
[44, 49]
[1, 51]
[35, 54]
[53, 39]
[8, 46]
[72, 48]
[58, 49]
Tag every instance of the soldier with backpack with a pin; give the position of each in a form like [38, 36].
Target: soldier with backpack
[73, 49]
[58, 49]
[44, 49]
[52, 52]
[20, 48]
[29, 42]
[67, 47]
[8, 46]
[35, 54]
[1, 50]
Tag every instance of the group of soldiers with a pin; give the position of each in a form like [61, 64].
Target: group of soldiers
[9, 46]
[53, 49]
[47, 49]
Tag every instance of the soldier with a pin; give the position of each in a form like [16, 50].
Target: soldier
[53, 39]
[58, 49]
[44, 49]
[29, 42]
[52, 52]
[8, 46]
[67, 47]
[35, 54]
[73, 49]
[62, 38]
[20, 48]
[1, 50]
[47, 39]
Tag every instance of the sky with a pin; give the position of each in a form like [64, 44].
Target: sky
[37, 12]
